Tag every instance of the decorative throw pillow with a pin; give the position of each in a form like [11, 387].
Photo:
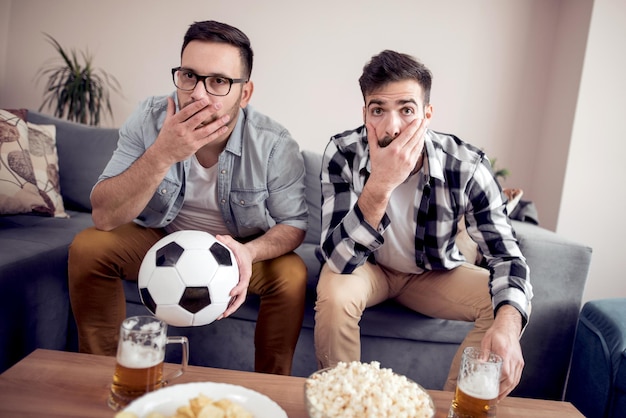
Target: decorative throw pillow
[22, 113]
[466, 245]
[513, 196]
[43, 153]
[18, 185]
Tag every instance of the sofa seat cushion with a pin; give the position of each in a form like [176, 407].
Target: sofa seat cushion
[27, 237]
[387, 320]
[34, 302]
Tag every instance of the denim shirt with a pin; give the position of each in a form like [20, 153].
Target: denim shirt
[261, 172]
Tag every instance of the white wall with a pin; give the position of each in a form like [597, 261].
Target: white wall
[5, 13]
[506, 73]
[593, 193]
[488, 58]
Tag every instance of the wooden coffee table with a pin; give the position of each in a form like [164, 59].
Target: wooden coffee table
[61, 384]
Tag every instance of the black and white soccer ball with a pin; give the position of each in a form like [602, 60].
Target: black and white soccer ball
[186, 277]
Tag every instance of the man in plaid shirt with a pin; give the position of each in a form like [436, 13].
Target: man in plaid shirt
[393, 193]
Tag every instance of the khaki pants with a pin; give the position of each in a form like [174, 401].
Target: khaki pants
[459, 294]
[99, 259]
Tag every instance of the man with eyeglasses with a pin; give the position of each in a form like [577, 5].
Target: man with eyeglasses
[200, 159]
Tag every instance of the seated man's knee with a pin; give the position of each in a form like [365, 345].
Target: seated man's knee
[291, 270]
[335, 294]
[284, 276]
[86, 243]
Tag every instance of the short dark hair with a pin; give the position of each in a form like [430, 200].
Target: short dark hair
[210, 30]
[389, 66]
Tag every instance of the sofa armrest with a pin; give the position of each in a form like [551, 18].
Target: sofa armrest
[597, 380]
[558, 272]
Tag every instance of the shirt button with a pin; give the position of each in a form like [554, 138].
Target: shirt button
[163, 191]
[223, 171]
[223, 201]
[242, 202]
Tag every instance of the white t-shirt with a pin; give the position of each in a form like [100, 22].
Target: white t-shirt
[398, 250]
[200, 209]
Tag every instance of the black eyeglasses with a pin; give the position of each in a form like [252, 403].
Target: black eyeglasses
[216, 85]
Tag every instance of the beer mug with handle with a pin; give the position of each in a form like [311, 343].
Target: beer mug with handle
[140, 358]
[478, 385]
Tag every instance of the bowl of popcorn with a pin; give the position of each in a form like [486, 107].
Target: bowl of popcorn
[358, 389]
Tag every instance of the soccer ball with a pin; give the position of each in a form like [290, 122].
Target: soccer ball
[185, 278]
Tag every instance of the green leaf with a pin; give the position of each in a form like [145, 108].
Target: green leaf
[74, 89]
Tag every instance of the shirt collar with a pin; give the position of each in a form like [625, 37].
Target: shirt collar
[433, 166]
[235, 143]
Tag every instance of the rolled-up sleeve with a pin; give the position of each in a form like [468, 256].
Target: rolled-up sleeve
[491, 229]
[347, 240]
[286, 202]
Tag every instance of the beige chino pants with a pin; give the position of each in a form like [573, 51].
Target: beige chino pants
[458, 294]
[99, 261]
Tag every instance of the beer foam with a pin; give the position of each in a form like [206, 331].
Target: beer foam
[137, 356]
[480, 385]
[151, 327]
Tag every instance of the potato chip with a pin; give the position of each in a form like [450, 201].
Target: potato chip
[199, 402]
[232, 409]
[184, 412]
[125, 415]
[156, 415]
[201, 407]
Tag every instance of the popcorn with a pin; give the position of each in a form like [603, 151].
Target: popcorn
[358, 389]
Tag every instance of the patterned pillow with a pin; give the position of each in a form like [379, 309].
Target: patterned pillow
[43, 153]
[29, 168]
[18, 185]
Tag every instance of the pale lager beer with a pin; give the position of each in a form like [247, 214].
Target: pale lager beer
[478, 385]
[138, 370]
[140, 357]
[475, 397]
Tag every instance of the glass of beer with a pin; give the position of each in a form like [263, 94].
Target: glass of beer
[140, 358]
[478, 384]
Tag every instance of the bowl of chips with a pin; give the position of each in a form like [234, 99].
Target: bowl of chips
[358, 389]
[203, 400]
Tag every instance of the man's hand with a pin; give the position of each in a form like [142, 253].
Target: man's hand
[185, 132]
[503, 339]
[120, 199]
[392, 164]
[244, 262]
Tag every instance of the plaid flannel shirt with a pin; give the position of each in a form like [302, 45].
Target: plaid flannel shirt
[456, 180]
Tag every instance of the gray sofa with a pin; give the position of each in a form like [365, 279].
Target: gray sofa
[34, 308]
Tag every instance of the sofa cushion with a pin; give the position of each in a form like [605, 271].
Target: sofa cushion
[83, 153]
[597, 378]
[43, 153]
[24, 237]
[34, 302]
[313, 167]
[18, 185]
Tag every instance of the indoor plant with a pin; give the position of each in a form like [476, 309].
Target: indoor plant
[499, 173]
[76, 90]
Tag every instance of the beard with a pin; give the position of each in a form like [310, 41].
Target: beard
[384, 142]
